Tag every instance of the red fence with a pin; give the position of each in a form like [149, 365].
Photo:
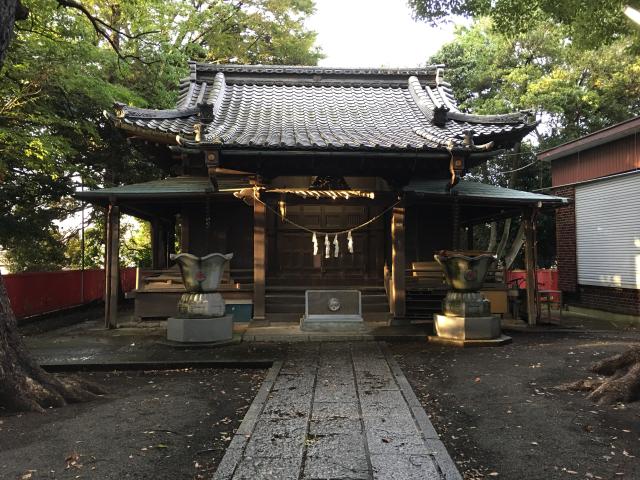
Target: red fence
[547, 278]
[35, 293]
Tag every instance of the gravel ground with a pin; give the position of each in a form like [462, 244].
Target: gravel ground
[500, 416]
[151, 425]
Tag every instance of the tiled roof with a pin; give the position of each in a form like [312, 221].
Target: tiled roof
[299, 108]
[477, 190]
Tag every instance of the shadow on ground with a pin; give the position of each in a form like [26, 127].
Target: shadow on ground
[151, 425]
[498, 413]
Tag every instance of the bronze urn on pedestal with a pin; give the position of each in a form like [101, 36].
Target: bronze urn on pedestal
[466, 317]
[201, 309]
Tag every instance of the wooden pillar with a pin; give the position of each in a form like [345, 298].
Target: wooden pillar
[185, 241]
[159, 246]
[455, 225]
[397, 293]
[529, 219]
[112, 267]
[259, 262]
[171, 240]
[470, 237]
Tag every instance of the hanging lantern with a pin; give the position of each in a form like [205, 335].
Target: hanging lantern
[336, 246]
[349, 242]
[314, 239]
[327, 246]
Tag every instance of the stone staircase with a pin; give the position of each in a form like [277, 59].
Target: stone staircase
[286, 303]
[422, 303]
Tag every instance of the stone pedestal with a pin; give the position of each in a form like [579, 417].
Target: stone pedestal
[201, 305]
[213, 329]
[332, 310]
[467, 321]
[467, 328]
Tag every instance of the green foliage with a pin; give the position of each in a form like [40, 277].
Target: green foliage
[588, 23]
[60, 75]
[94, 233]
[44, 253]
[136, 245]
[573, 90]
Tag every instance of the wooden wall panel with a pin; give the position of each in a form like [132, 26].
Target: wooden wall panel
[617, 156]
[428, 230]
[230, 231]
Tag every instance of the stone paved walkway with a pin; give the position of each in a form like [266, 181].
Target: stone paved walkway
[336, 411]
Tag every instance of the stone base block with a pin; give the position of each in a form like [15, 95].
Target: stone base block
[467, 328]
[493, 342]
[214, 329]
[332, 323]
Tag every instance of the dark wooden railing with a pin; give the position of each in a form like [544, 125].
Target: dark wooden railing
[170, 279]
[425, 276]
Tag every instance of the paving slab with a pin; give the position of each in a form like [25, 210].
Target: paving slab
[336, 411]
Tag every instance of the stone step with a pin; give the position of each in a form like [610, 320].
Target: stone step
[279, 298]
[302, 288]
[296, 308]
[424, 301]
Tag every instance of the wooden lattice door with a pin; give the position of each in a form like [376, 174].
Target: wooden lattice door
[294, 259]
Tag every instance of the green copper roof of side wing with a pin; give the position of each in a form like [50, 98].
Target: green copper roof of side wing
[480, 191]
[189, 186]
[183, 186]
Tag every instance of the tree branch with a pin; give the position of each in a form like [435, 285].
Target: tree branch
[101, 27]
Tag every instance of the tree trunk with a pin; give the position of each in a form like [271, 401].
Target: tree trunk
[493, 237]
[504, 239]
[10, 11]
[518, 241]
[24, 386]
[622, 384]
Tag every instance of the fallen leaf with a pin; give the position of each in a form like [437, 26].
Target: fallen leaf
[73, 460]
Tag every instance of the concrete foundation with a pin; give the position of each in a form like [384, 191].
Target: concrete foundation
[214, 329]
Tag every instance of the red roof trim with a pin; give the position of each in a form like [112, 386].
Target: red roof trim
[606, 135]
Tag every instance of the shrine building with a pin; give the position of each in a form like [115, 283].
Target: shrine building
[315, 178]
